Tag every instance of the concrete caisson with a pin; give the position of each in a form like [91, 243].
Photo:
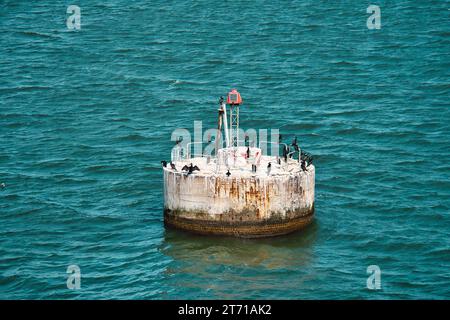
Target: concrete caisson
[245, 203]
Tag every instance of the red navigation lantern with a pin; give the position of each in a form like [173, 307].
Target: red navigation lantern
[234, 97]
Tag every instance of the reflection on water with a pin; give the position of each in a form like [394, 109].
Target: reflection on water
[219, 261]
[284, 252]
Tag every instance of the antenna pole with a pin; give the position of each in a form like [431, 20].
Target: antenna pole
[219, 126]
[234, 125]
[225, 125]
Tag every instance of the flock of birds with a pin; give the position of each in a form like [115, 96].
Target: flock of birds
[305, 159]
[189, 169]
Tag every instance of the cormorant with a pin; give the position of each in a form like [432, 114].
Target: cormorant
[295, 145]
[248, 152]
[303, 155]
[285, 153]
[228, 173]
[294, 142]
[172, 165]
[191, 168]
[164, 163]
[269, 167]
[303, 165]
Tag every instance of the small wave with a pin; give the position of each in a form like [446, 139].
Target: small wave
[443, 253]
[39, 34]
[132, 137]
[106, 169]
[350, 131]
[215, 62]
[25, 88]
[52, 163]
[170, 102]
[344, 63]
[120, 119]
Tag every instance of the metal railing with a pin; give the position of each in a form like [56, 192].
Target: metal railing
[275, 143]
[177, 153]
[190, 155]
[180, 153]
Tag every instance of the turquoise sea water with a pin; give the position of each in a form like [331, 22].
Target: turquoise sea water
[86, 117]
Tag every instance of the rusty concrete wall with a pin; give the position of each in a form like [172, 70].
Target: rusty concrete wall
[237, 199]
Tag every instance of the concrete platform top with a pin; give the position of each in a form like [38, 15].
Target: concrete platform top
[236, 161]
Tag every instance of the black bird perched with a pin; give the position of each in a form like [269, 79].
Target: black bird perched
[310, 160]
[269, 167]
[285, 152]
[295, 145]
[254, 168]
[303, 155]
[190, 168]
[306, 157]
[279, 161]
[303, 165]
[164, 163]
[248, 152]
[172, 165]
[228, 173]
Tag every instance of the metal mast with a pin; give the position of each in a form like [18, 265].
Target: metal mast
[222, 121]
[234, 125]
[234, 100]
